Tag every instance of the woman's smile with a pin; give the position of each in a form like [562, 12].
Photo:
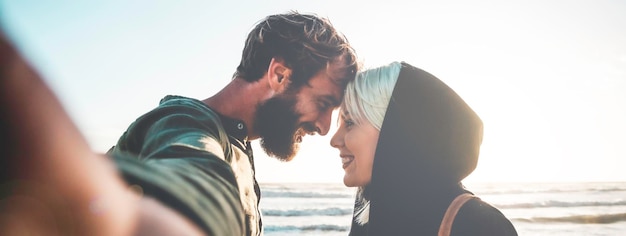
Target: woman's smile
[346, 160]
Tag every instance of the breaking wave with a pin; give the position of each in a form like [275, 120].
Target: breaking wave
[333, 211]
[579, 219]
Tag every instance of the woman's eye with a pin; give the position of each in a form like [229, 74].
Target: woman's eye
[349, 123]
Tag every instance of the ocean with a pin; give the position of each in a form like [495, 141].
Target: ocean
[534, 208]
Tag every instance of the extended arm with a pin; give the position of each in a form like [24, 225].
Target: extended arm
[52, 183]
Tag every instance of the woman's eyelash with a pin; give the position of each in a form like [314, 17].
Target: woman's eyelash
[349, 122]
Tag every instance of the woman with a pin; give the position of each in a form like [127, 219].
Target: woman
[407, 140]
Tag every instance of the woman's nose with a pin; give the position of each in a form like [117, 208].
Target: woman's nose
[337, 140]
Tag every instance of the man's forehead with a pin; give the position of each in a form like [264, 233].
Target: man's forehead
[330, 81]
[340, 72]
[340, 80]
[330, 87]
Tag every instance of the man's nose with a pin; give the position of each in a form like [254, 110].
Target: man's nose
[322, 125]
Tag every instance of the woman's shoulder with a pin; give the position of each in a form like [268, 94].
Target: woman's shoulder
[478, 217]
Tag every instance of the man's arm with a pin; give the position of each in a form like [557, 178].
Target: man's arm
[177, 153]
[52, 183]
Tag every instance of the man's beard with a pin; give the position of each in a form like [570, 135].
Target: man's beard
[276, 121]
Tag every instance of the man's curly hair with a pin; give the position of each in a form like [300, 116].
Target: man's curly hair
[306, 43]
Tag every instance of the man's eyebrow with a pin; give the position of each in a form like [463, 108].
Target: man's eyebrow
[332, 100]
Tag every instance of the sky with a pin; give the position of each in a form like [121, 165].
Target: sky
[548, 78]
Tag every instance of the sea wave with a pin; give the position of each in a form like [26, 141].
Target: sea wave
[285, 194]
[321, 227]
[333, 211]
[544, 204]
[579, 219]
[504, 191]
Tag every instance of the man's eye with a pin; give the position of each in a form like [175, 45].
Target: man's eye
[324, 105]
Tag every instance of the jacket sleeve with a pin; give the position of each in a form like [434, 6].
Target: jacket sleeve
[177, 154]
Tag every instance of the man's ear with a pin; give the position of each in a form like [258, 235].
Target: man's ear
[278, 75]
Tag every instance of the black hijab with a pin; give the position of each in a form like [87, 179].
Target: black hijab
[429, 141]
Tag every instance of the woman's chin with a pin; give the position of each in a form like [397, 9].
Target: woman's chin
[348, 182]
[351, 182]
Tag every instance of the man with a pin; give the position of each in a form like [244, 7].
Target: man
[291, 76]
[191, 159]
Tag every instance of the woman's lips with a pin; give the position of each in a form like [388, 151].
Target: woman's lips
[346, 160]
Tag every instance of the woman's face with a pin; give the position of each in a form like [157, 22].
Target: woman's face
[357, 145]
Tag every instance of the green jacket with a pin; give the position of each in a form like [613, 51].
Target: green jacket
[180, 154]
